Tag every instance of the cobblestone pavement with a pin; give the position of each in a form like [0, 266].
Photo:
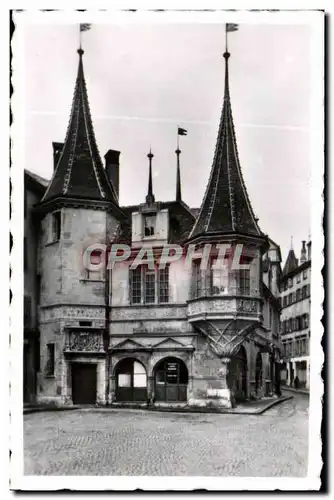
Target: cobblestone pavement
[134, 442]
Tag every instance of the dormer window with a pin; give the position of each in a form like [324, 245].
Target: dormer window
[149, 225]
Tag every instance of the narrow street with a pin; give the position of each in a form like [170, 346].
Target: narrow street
[134, 442]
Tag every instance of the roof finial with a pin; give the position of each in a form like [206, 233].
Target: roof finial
[229, 27]
[82, 28]
[291, 243]
[178, 175]
[150, 196]
[180, 131]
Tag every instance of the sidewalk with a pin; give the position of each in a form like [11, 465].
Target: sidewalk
[248, 408]
[297, 391]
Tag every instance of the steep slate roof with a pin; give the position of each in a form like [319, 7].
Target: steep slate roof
[35, 181]
[79, 172]
[226, 207]
[291, 262]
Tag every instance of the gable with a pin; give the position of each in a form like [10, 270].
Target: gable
[128, 344]
[169, 343]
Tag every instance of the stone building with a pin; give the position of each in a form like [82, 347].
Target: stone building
[295, 317]
[176, 334]
[34, 188]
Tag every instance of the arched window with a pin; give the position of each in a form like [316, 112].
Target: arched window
[131, 381]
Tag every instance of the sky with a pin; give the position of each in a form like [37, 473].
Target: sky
[144, 80]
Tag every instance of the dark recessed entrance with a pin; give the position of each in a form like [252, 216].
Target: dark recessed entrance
[237, 375]
[171, 380]
[84, 383]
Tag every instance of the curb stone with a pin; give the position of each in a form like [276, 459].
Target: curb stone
[190, 410]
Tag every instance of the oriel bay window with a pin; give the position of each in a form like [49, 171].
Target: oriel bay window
[149, 286]
[220, 281]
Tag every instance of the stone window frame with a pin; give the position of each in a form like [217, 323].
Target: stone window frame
[99, 274]
[160, 285]
[56, 226]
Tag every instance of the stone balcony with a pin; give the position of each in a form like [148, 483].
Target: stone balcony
[226, 306]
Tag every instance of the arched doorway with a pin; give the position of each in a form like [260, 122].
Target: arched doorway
[171, 380]
[237, 377]
[131, 381]
[258, 372]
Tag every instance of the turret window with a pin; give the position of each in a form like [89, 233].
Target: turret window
[243, 282]
[50, 360]
[56, 226]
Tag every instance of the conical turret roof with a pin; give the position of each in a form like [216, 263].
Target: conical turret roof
[79, 172]
[226, 207]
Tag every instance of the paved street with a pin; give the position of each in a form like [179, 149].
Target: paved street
[134, 442]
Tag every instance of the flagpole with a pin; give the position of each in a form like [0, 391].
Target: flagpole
[225, 37]
[177, 141]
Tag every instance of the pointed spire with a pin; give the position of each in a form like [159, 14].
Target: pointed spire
[79, 172]
[291, 262]
[178, 175]
[226, 206]
[150, 196]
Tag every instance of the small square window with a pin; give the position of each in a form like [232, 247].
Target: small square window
[149, 225]
[290, 283]
[85, 323]
[56, 226]
[298, 278]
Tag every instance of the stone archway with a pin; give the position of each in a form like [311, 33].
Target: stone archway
[258, 373]
[131, 381]
[170, 380]
[237, 374]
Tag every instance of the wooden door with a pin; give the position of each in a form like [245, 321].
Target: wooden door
[84, 383]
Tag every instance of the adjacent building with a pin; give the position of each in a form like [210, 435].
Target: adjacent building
[34, 189]
[150, 334]
[295, 318]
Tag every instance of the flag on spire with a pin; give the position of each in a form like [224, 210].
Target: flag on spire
[182, 131]
[85, 27]
[231, 27]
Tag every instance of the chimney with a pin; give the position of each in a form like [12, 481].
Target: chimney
[112, 168]
[57, 149]
[303, 257]
[309, 250]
